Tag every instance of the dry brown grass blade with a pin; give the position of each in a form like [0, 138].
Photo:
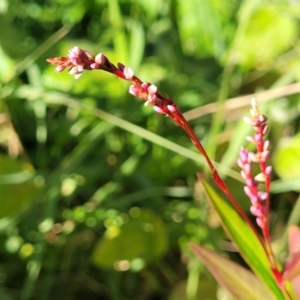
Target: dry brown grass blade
[242, 101]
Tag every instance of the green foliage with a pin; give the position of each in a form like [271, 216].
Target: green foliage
[143, 238]
[271, 31]
[79, 157]
[287, 159]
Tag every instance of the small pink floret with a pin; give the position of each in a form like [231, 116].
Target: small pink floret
[128, 73]
[133, 91]
[100, 58]
[159, 110]
[171, 108]
[152, 89]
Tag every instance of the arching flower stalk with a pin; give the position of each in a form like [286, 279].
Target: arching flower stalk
[79, 60]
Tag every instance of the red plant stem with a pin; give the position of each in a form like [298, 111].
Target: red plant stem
[187, 128]
[179, 119]
[265, 229]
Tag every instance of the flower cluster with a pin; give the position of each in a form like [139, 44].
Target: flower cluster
[79, 60]
[259, 198]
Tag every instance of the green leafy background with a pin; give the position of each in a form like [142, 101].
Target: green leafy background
[96, 190]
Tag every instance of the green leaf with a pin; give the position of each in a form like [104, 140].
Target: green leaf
[7, 69]
[204, 25]
[240, 282]
[137, 44]
[142, 238]
[17, 189]
[207, 289]
[287, 158]
[247, 242]
[270, 32]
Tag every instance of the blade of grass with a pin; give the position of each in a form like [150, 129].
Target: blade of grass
[34, 55]
[63, 99]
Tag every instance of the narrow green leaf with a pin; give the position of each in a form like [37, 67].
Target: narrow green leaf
[240, 282]
[246, 241]
[137, 44]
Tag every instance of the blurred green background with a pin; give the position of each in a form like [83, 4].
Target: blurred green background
[97, 192]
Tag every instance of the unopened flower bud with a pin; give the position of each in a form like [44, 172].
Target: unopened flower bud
[158, 110]
[60, 68]
[128, 73]
[172, 108]
[152, 89]
[94, 66]
[268, 170]
[260, 177]
[265, 130]
[100, 58]
[133, 90]
[262, 195]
